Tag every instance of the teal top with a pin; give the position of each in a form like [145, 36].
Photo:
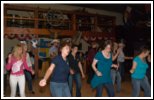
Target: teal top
[104, 66]
[141, 67]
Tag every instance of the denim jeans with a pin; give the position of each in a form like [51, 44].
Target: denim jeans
[29, 80]
[109, 87]
[115, 75]
[5, 82]
[137, 84]
[59, 89]
[122, 69]
[77, 79]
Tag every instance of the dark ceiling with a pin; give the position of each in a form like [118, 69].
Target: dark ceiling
[112, 7]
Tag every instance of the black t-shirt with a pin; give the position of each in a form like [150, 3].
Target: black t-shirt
[148, 72]
[114, 62]
[73, 63]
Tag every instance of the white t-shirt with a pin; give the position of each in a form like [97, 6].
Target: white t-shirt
[121, 57]
[29, 63]
[85, 46]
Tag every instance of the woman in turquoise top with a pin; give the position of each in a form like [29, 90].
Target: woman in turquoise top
[102, 77]
[138, 73]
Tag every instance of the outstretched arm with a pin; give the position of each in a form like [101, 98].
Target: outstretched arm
[47, 75]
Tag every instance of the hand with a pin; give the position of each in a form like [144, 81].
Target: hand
[98, 73]
[10, 55]
[115, 66]
[33, 72]
[71, 72]
[131, 71]
[42, 82]
[9, 58]
[130, 58]
[118, 51]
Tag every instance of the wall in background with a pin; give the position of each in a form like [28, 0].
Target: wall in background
[8, 44]
[119, 16]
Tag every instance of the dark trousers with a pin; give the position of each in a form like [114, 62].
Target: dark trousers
[29, 80]
[90, 73]
[109, 88]
[5, 82]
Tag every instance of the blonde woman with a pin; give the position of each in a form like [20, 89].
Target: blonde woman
[115, 74]
[17, 63]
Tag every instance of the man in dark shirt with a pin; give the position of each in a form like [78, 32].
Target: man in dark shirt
[148, 73]
[75, 69]
[91, 54]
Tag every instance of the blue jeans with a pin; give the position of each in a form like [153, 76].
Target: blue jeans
[29, 80]
[115, 75]
[122, 69]
[137, 83]
[109, 87]
[59, 89]
[77, 79]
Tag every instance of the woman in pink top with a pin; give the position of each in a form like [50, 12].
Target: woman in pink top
[17, 63]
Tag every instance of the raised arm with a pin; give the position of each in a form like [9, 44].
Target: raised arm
[114, 56]
[9, 63]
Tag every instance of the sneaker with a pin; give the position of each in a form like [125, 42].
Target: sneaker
[18, 94]
[32, 92]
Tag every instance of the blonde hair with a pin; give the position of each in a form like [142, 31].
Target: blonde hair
[115, 45]
[15, 51]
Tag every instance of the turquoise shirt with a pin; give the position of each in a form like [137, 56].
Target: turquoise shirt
[141, 67]
[104, 66]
